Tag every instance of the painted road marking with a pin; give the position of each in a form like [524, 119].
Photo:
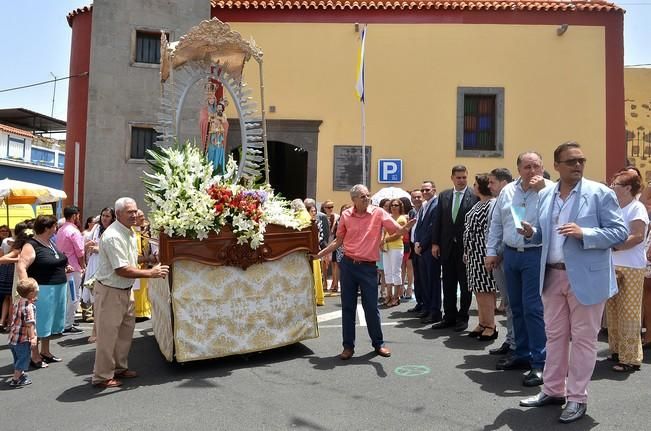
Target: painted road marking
[336, 315]
[361, 317]
[329, 316]
[412, 370]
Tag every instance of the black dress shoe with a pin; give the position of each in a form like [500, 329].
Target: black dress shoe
[502, 350]
[460, 326]
[430, 318]
[542, 399]
[533, 377]
[512, 364]
[573, 411]
[422, 314]
[417, 309]
[443, 324]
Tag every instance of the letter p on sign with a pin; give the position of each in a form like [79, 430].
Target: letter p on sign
[390, 171]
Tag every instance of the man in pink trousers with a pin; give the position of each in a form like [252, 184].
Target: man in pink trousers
[580, 221]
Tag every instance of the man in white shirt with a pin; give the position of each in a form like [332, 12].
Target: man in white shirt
[114, 309]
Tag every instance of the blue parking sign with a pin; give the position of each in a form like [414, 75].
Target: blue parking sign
[389, 171]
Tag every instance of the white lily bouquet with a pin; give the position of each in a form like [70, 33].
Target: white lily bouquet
[188, 200]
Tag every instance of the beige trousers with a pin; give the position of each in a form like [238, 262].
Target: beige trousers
[114, 322]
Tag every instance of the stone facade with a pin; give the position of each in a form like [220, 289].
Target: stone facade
[123, 93]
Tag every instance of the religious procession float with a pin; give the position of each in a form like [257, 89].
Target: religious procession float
[240, 276]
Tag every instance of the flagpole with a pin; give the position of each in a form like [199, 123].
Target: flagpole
[360, 88]
[363, 144]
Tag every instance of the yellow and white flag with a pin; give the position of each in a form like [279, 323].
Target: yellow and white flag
[359, 85]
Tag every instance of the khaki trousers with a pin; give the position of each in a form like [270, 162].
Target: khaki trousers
[114, 322]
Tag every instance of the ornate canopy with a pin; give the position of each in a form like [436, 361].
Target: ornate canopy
[211, 42]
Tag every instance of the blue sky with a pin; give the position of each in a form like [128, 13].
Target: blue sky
[36, 42]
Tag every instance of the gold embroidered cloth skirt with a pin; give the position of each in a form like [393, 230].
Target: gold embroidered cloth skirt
[216, 311]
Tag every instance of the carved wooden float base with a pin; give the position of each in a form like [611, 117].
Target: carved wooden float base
[225, 299]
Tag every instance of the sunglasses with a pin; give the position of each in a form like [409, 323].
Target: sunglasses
[572, 162]
[395, 205]
[425, 190]
[328, 208]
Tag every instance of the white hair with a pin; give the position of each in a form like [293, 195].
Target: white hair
[122, 202]
[297, 205]
[357, 189]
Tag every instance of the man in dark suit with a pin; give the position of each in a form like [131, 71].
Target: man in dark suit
[447, 244]
[429, 266]
[417, 202]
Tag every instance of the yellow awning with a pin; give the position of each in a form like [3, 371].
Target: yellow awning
[17, 213]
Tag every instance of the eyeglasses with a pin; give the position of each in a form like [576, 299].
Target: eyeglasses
[571, 162]
[425, 190]
[618, 184]
[395, 205]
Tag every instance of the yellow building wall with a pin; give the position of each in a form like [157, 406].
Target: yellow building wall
[554, 91]
[637, 88]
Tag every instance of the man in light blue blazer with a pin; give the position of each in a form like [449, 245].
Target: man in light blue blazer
[580, 221]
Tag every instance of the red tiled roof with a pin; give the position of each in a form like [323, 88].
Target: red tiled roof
[497, 5]
[15, 131]
[78, 11]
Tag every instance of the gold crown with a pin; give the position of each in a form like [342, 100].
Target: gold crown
[210, 88]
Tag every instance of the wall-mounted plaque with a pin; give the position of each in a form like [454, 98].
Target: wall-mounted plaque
[347, 168]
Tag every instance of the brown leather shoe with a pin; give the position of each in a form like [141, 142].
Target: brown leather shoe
[126, 374]
[346, 354]
[111, 383]
[383, 351]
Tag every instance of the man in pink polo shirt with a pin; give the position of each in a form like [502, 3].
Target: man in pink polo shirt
[71, 242]
[360, 232]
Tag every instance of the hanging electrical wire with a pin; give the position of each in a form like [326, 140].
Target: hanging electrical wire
[43, 82]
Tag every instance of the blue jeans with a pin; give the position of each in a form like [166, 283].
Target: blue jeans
[364, 277]
[522, 271]
[22, 353]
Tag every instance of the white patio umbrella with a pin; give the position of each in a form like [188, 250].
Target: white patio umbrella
[389, 193]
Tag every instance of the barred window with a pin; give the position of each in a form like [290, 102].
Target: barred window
[480, 122]
[142, 139]
[147, 47]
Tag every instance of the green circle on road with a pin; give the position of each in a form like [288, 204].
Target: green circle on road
[412, 370]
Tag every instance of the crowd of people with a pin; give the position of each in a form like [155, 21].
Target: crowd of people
[52, 269]
[567, 258]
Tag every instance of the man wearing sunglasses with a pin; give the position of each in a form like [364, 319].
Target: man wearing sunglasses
[579, 223]
[429, 268]
[360, 232]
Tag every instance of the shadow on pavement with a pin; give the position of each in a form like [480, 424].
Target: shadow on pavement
[196, 374]
[537, 419]
[481, 362]
[502, 383]
[462, 341]
[603, 371]
[330, 362]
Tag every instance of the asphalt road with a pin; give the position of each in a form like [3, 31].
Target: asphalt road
[435, 380]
